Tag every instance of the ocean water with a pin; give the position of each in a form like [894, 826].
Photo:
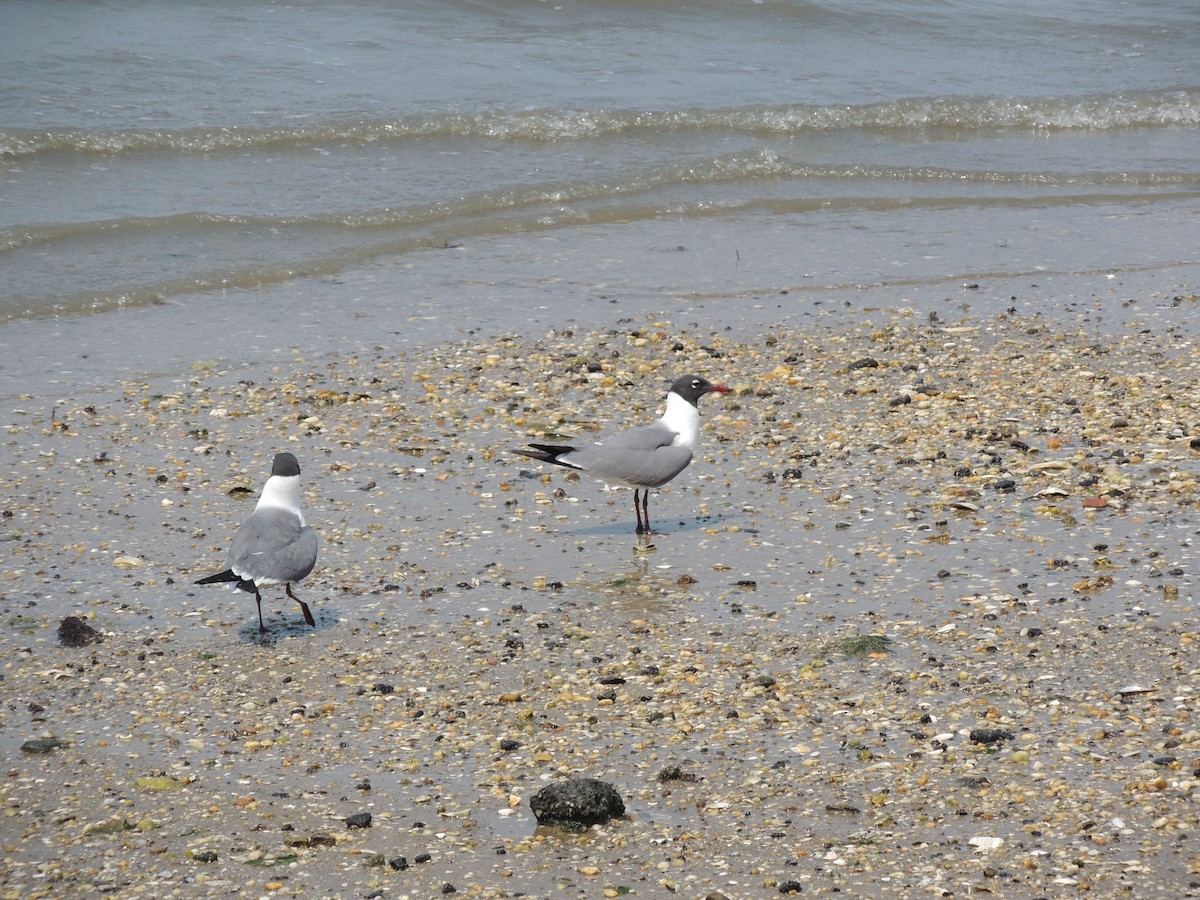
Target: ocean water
[238, 162]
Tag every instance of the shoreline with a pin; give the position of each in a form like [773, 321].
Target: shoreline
[494, 287]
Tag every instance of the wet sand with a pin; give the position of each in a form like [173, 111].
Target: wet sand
[1006, 504]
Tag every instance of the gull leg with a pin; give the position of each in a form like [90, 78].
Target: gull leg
[308, 616]
[258, 600]
[637, 511]
[646, 509]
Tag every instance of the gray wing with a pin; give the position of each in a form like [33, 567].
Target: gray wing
[271, 546]
[644, 437]
[640, 457]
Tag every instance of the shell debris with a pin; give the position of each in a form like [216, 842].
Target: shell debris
[937, 626]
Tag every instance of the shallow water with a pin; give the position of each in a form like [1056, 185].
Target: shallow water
[184, 153]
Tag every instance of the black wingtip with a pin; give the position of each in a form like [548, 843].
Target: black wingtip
[546, 452]
[220, 578]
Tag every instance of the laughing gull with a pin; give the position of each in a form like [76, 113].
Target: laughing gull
[274, 546]
[644, 457]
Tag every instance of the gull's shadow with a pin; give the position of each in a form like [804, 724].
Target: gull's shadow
[288, 624]
[661, 529]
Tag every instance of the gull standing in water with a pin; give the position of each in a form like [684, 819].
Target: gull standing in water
[274, 546]
[644, 457]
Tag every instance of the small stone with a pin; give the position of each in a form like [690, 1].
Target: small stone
[398, 863]
[675, 773]
[74, 632]
[846, 808]
[42, 745]
[790, 887]
[989, 735]
[359, 820]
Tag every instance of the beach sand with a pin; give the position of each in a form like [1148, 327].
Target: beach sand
[921, 620]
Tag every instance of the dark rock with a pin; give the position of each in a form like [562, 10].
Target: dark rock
[382, 688]
[42, 745]
[989, 735]
[867, 362]
[399, 863]
[74, 632]
[610, 679]
[790, 887]
[508, 745]
[359, 820]
[204, 856]
[577, 803]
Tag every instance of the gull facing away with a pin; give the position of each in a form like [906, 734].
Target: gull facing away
[273, 546]
[644, 457]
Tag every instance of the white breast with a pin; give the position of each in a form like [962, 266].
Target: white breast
[684, 419]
